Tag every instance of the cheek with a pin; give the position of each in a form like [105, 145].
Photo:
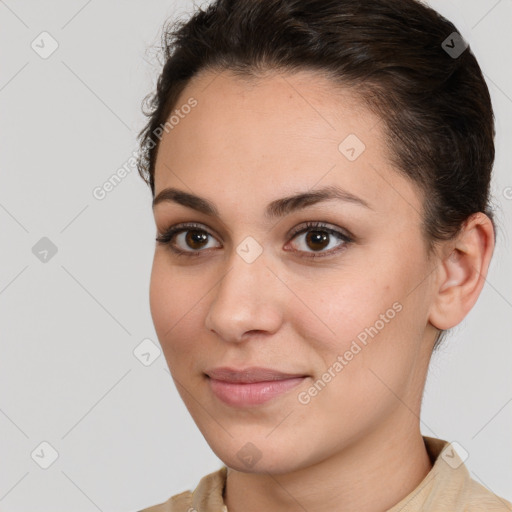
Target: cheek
[159, 296]
[179, 301]
[362, 320]
[173, 304]
[343, 309]
[369, 348]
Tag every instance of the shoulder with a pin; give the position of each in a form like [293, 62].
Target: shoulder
[451, 487]
[177, 503]
[476, 497]
[448, 486]
[208, 493]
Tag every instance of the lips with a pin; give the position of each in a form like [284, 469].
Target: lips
[250, 374]
[250, 386]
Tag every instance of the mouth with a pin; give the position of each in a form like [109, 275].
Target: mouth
[250, 386]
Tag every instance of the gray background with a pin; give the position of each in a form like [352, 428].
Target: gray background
[70, 325]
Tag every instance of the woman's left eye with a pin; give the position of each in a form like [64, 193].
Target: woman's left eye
[318, 238]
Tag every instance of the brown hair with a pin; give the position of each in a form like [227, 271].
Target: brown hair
[406, 61]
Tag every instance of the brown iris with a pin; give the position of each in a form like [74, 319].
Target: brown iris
[196, 236]
[317, 237]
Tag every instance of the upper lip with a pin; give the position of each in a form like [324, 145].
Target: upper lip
[249, 374]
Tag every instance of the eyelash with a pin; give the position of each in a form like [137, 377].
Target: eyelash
[167, 237]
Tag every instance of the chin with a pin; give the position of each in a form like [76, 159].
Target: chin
[260, 455]
[273, 466]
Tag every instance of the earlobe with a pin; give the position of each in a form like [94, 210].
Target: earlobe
[462, 272]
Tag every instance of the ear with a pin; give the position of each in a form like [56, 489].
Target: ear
[462, 272]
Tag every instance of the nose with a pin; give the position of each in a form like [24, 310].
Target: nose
[248, 299]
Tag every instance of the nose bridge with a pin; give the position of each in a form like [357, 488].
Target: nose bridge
[247, 297]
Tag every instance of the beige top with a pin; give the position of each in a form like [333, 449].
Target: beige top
[447, 487]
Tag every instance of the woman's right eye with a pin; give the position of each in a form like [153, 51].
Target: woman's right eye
[187, 235]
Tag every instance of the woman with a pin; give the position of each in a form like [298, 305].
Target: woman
[320, 173]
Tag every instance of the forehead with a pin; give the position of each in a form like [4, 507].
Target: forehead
[278, 97]
[280, 131]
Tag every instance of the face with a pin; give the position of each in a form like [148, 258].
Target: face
[334, 290]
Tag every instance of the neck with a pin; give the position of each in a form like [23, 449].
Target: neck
[373, 474]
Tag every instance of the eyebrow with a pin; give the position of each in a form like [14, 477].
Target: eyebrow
[275, 209]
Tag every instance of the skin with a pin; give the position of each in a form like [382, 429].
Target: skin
[245, 144]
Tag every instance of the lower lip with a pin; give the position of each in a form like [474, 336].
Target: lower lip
[254, 393]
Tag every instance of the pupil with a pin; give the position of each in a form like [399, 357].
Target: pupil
[317, 237]
[196, 237]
